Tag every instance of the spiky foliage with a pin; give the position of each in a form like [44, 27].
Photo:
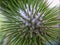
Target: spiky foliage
[29, 22]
